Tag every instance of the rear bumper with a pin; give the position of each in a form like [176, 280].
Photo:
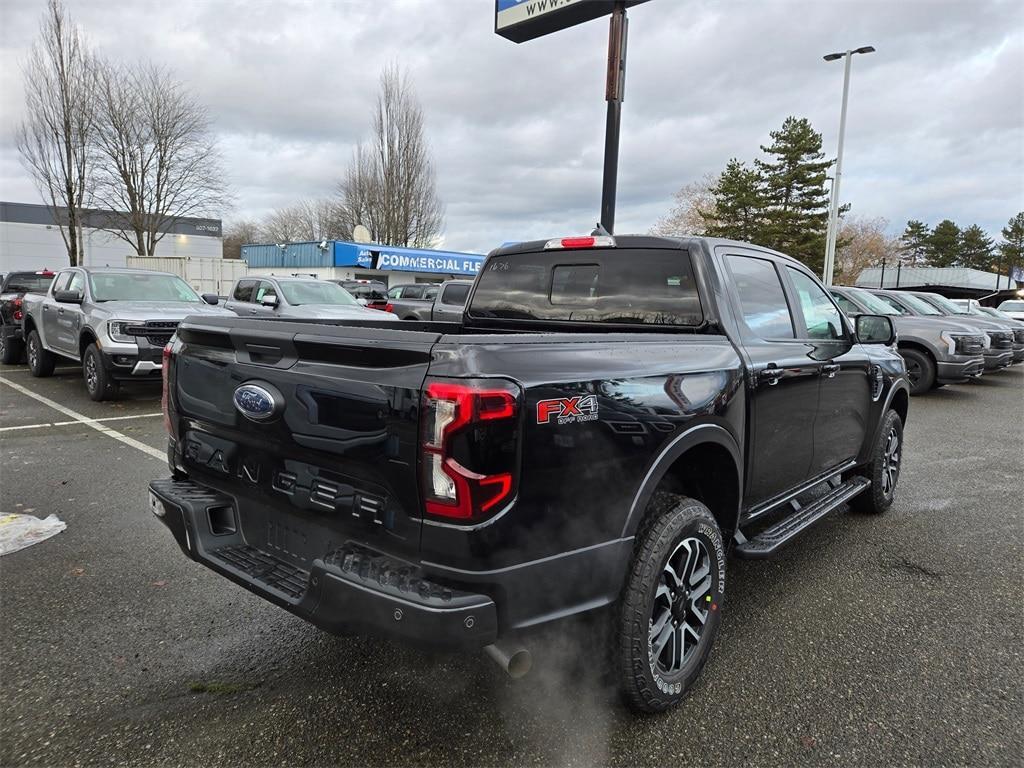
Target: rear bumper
[951, 372]
[11, 331]
[352, 589]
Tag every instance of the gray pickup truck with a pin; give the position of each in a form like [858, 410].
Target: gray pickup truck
[116, 322]
[297, 297]
[936, 350]
[448, 304]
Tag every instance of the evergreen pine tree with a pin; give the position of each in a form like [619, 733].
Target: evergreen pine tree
[976, 248]
[1011, 250]
[914, 242]
[944, 244]
[794, 173]
[738, 209]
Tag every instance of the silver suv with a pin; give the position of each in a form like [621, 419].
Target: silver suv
[116, 322]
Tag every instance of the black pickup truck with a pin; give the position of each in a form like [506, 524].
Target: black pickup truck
[13, 287]
[611, 417]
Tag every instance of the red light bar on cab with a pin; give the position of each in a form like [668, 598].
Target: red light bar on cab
[599, 241]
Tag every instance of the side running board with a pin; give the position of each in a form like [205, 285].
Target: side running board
[772, 539]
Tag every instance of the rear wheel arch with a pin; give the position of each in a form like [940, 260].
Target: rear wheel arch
[702, 463]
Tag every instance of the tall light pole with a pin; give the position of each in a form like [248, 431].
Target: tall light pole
[833, 214]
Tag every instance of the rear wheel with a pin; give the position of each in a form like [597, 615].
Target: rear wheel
[10, 349]
[670, 609]
[97, 381]
[920, 370]
[884, 468]
[41, 362]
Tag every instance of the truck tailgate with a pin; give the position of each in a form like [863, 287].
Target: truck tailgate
[336, 460]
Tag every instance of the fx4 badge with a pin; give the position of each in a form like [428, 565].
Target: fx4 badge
[567, 410]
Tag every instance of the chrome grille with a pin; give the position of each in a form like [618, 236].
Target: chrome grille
[156, 332]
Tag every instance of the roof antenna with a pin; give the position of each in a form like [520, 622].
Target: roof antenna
[600, 231]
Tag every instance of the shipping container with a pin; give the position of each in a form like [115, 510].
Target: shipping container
[291, 256]
[206, 275]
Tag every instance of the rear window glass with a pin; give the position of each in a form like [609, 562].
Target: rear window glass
[28, 282]
[620, 286]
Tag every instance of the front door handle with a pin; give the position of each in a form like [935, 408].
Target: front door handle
[830, 370]
[771, 375]
[60, 311]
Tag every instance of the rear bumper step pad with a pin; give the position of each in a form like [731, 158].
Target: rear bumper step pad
[770, 540]
[352, 589]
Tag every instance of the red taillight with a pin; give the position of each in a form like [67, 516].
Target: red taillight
[164, 394]
[17, 301]
[18, 314]
[389, 307]
[468, 437]
[594, 241]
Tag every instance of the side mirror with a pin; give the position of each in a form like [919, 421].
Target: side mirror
[211, 298]
[875, 329]
[270, 300]
[68, 297]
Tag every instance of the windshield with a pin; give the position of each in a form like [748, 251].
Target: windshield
[920, 306]
[28, 282]
[140, 286]
[298, 292]
[945, 304]
[1012, 306]
[873, 303]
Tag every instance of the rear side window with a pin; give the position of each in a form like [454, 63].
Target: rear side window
[412, 292]
[617, 286]
[762, 300]
[455, 294]
[243, 291]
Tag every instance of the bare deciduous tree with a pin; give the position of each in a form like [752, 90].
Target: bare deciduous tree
[54, 138]
[691, 201]
[306, 221]
[156, 157]
[390, 186]
[239, 233]
[862, 243]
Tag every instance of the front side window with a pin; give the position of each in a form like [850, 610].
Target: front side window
[846, 305]
[60, 283]
[141, 286]
[762, 299]
[944, 304]
[875, 304]
[822, 318]
[920, 306]
[77, 283]
[265, 289]
[613, 286]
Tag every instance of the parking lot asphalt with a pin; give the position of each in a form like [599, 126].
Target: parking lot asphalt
[870, 641]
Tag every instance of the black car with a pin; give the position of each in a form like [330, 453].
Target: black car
[12, 288]
[610, 418]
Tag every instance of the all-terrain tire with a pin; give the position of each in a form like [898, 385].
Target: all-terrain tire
[41, 362]
[11, 349]
[920, 370]
[884, 468]
[674, 530]
[98, 382]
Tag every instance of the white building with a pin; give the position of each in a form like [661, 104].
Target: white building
[31, 239]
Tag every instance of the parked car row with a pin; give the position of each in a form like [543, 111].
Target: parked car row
[941, 342]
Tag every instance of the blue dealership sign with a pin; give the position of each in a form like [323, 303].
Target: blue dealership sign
[396, 259]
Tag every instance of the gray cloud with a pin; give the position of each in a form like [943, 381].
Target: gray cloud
[936, 124]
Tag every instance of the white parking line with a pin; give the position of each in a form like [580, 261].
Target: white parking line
[66, 423]
[94, 423]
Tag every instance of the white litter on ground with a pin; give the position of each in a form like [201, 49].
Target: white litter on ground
[20, 531]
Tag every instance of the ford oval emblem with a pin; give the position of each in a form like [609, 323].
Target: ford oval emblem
[258, 402]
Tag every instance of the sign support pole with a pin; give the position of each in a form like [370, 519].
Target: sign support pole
[614, 95]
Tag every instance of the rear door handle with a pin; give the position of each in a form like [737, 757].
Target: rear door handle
[830, 370]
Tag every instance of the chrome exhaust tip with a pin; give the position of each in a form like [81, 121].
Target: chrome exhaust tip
[511, 656]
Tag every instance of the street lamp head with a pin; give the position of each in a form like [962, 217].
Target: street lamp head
[865, 49]
[833, 56]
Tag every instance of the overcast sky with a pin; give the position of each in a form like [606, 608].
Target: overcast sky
[935, 127]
